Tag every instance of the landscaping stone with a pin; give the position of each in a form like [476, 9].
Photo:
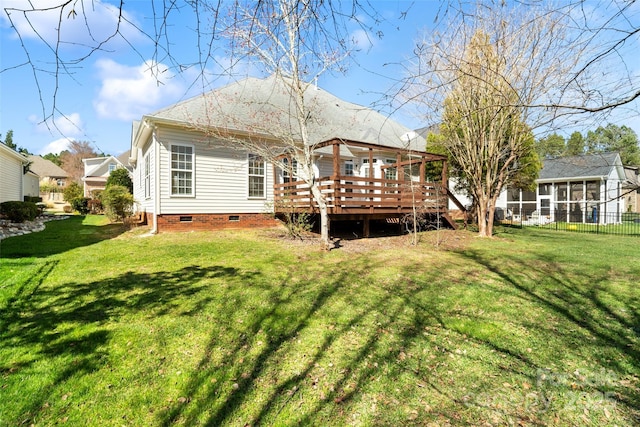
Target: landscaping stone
[10, 229]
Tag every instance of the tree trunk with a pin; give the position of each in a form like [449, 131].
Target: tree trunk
[491, 212]
[483, 212]
[324, 215]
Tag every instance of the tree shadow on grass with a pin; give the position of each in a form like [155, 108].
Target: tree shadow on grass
[591, 317]
[264, 397]
[72, 322]
[58, 236]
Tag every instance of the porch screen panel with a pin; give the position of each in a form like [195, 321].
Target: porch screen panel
[528, 202]
[560, 200]
[576, 205]
[593, 190]
[545, 202]
[593, 201]
[544, 189]
[513, 201]
[181, 170]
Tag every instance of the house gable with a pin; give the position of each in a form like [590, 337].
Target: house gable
[97, 171]
[12, 166]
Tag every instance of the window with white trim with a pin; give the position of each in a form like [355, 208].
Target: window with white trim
[147, 177]
[348, 168]
[112, 167]
[289, 173]
[256, 173]
[182, 165]
[390, 173]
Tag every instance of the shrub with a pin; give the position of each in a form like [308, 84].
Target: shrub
[117, 202]
[49, 185]
[297, 224]
[80, 204]
[73, 191]
[120, 176]
[33, 199]
[67, 209]
[95, 206]
[16, 211]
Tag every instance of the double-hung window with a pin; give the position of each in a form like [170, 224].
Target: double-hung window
[182, 165]
[147, 177]
[256, 176]
[289, 172]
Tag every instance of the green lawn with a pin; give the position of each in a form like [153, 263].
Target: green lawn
[103, 327]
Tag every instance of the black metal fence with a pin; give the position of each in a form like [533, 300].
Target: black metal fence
[627, 224]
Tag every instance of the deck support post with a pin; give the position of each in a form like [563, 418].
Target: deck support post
[365, 227]
[336, 178]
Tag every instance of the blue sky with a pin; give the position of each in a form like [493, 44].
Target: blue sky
[100, 97]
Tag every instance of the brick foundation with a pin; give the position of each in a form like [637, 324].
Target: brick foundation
[193, 222]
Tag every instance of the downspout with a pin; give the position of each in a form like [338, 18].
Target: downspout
[606, 200]
[156, 186]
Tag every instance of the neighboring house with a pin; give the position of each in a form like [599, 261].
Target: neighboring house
[31, 185]
[47, 170]
[586, 188]
[13, 175]
[184, 179]
[631, 188]
[49, 174]
[98, 169]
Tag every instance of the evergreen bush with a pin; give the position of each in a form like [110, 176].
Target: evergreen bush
[16, 211]
[117, 202]
[80, 204]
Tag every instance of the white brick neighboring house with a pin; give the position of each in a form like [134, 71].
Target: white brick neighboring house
[12, 175]
[98, 169]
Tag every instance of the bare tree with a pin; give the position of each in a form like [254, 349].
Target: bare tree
[494, 74]
[71, 159]
[295, 41]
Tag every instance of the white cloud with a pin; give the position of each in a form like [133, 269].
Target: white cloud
[127, 92]
[362, 40]
[56, 147]
[67, 125]
[80, 23]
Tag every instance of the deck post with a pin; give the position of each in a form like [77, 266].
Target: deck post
[336, 177]
[445, 185]
[365, 227]
[399, 177]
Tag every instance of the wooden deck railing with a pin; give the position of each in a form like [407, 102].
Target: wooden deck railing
[352, 195]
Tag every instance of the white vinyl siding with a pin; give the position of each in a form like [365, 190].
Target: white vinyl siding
[221, 181]
[11, 175]
[182, 170]
[143, 191]
[325, 166]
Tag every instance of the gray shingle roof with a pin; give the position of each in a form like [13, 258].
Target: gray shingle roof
[264, 106]
[46, 168]
[588, 165]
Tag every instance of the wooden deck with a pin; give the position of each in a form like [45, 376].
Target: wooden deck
[353, 197]
[356, 195]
